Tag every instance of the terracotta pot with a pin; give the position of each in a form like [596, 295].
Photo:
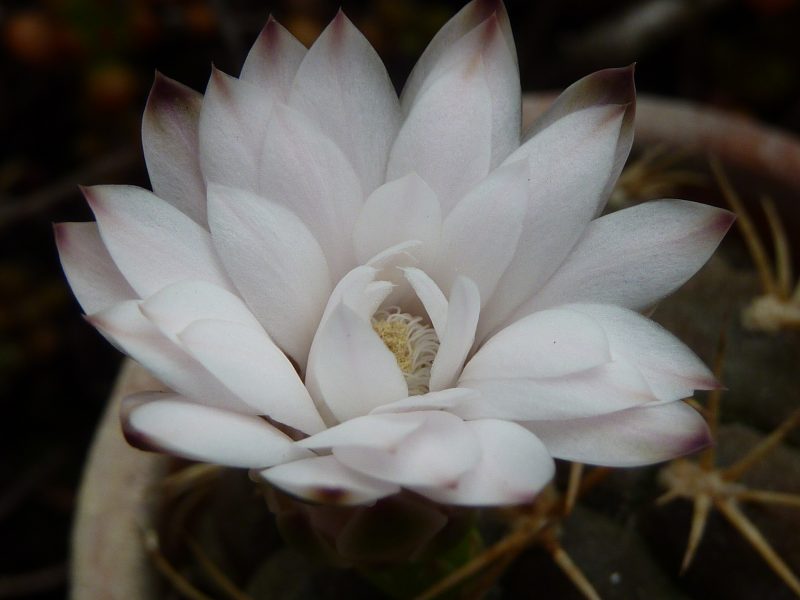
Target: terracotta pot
[108, 556]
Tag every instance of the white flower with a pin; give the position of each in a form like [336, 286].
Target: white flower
[412, 293]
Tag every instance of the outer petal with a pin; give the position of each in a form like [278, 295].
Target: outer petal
[127, 328]
[436, 454]
[513, 468]
[480, 235]
[629, 438]
[636, 256]
[463, 310]
[448, 399]
[94, 278]
[369, 431]
[152, 242]
[170, 142]
[401, 210]
[251, 366]
[549, 343]
[273, 60]
[609, 86]
[275, 262]
[486, 43]
[671, 369]
[343, 85]
[610, 387]
[325, 479]
[167, 422]
[465, 21]
[447, 136]
[351, 369]
[305, 171]
[177, 306]
[233, 121]
[569, 164]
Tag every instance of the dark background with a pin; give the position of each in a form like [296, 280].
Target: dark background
[74, 76]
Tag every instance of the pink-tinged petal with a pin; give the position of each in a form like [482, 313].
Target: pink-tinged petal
[465, 21]
[447, 399]
[342, 85]
[637, 256]
[513, 468]
[431, 296]
[437, 453]
[302, 169]
[569, 164]
[671, 369]
[273, 60]
[324, 479]
[629, 438]
[549, 343]
[609, 86]
[447, 137]
[401, 210]
[170, 141]
[607, 388]
[128, 329]
[487, 44]
[480, 235]
[369, 431]
[94, 278]
[463, 310]
[249, 364]
[169, 423]
[275, 262]
[175, 307]
[233, 123]
[350, 370]
[153, 243]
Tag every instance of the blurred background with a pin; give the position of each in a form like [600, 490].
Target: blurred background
[74, 77]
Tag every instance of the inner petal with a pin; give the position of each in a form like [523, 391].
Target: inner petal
[413, 342]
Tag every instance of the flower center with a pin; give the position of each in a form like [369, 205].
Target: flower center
[413, 343]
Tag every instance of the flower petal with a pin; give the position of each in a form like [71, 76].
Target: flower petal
[480, 235]
[465, 21]
[549, 343]
[636, 256]
[369, 431]
[432, 298]
[513, 468]
[273, 60]
[487, 43]
[629, 438]
[610, 387]
[152, 242]
[436, 454]
[324, 479]
[170, 142]
[463, 310]
[167, 422]
[303, 170]
[343, 85]
[609, 86]
[248, 363]
[275, 262]
[447, 136]
[671, 369]
[447, 399]
[233, 122]
[175, 307]
[569, 164]
[350, 370]
[128, 329]
[401, 210]
[94, 278]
